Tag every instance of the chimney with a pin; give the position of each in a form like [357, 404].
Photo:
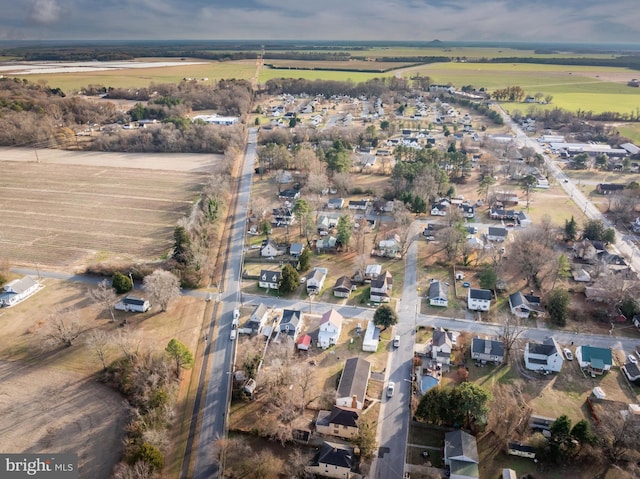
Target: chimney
[354, 401]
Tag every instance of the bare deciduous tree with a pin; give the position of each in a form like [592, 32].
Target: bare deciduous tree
[138, 470]
[62, 327]
[99, 341]
[105, 296]
[129, 343]
[162, 287]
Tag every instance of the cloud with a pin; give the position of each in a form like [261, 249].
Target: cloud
[380, 20]
[43, 12]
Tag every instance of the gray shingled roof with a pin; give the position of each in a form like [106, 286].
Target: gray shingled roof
[547, 348]
[480, 294]
[462, 446]
[478, 346]
[438, 289]
[334, 455]
[343, 417]
[355, 376]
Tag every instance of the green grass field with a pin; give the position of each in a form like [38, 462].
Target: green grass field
[356, 77]
[631, 131]
[337, 65]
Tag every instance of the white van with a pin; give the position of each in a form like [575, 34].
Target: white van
[396, 341]
[232, 336]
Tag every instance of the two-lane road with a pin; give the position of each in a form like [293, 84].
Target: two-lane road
[220, 354]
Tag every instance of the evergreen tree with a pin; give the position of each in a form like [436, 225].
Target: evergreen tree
[290, 279]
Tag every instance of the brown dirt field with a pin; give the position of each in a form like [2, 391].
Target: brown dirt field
[79, 414]
[46, 410]
[75, 208]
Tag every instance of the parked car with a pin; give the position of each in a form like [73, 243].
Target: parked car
[396, 341]
[233, 334]
[466, 284]
[568, 354]
[390, 389]
[632, 359]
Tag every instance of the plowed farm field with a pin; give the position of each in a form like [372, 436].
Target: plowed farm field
[70, 209]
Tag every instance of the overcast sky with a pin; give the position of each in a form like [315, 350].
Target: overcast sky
[584, 21]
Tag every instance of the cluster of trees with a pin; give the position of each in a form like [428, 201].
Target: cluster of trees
[375, 87]
[480, 108]
[149, 382]
[465, 405]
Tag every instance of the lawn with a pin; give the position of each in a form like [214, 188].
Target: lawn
[631, 131]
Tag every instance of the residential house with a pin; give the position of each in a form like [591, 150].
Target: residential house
[328, 243]
[468, 211]
[304, 342]
[315, 280]
[296, 249]
[496, 233]
[501, 214]
[439, 210]
[479, 299]
[290, 194]
[325, 223]
[258, 318]
[371, 338]
[609, 188]
[283, 216]
[522, 219]
[594, 360]
[546, 356]
[341, 422]
[330, 329]
[18, 290]
[589, 251]
[332, 460]
[522, 305]
[352, 387]
[133, 304]
[358, 205]
[461, 455]
[270, 279]
[442, 345]
[487, 350]
[290, 323]
[390, 247]
[335, 203]
[372, 271]
[343, 287]
[439, 293]
[271, 249]
[380, 291]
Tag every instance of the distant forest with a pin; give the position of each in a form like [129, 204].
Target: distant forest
[227, 51]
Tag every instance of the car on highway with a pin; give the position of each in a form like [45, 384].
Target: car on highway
[568, 354]
[391, 387]
[632, 359]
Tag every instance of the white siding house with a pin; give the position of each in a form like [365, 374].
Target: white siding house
[330, 328]
[371, 338]
[315, 280]
[18, 290]
[270, 279]
[479, 299]
[133, 304]
[546, 356]
[439, 293]
[381, 288]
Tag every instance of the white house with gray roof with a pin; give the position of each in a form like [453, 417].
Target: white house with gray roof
[18, 290]
[546, 356]
[352, 387]
[461, 455]
[439, 293]
[479, 299]
[487, 350]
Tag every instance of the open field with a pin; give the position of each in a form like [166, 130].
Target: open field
[50, 400]
[137, 77]
[71, 209]
[356, 77]
[631, 131]
[336, 65]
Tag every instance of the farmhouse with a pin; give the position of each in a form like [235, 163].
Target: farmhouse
[332, 460]
[497, 234]
[270, 279]
[352, 387]
[315, 280]
[479, 299]
[441, 345]
[341, 422]
[461, 455]
[258, 318]
[523, 305]
[546, 356]
[486, 350]
[594, 360]
[330, 328]
[133, 304]
[343, 287]
[290, 322]
[381, 288]
[271, 249]
[18, 290]
[439, 293]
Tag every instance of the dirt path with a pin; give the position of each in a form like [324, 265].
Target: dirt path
[46, 410]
